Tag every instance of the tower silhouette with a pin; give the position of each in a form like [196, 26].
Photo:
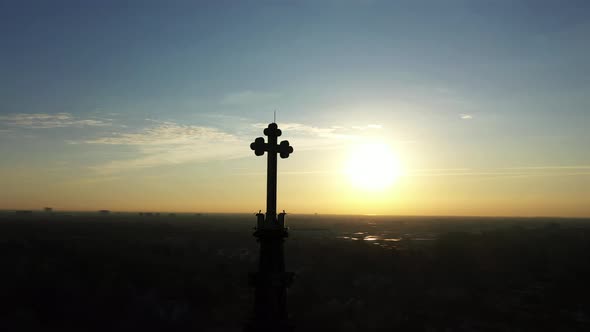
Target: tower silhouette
[271, 280]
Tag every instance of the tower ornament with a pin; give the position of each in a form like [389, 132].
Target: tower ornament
[284, 149]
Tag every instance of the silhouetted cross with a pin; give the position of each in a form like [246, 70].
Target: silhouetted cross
[284, 150]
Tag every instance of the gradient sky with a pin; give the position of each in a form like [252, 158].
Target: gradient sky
[151, 105]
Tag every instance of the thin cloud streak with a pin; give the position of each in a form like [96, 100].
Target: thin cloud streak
[46, 121]
[549, 167]
[166, 133]
[169, 143]
[496, 173]
[313, 137]
[442, 170]
[296, 129]
[290, 173]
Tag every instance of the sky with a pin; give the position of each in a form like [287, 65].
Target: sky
[151, 105]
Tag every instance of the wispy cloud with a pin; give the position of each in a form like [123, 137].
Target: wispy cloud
[340, 132]
[166, 133]
[504, 172]
[169, 143]
[287, 173]
[302, 129]
[367, 127]
[308, 137]
[438, 170]
[550, 167]
[46, 120]
[466, 116]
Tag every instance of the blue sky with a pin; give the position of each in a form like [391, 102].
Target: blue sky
[111, 90]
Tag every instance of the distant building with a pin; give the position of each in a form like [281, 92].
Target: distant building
[104, 211]
[172, 215]
[48, 209]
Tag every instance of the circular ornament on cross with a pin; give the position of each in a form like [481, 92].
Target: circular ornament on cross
[285, 149]
[272, 130]
[258, 146]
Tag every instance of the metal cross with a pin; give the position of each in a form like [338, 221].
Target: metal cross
[284, 150]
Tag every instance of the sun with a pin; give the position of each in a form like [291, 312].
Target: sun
[373, 166]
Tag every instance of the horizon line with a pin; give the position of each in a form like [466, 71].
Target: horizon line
[302, 214]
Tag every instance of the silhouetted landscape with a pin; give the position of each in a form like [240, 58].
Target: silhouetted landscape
[181, 272]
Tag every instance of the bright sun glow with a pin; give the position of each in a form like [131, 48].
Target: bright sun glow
[373, 166]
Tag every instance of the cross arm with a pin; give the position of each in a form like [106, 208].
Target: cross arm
[285, 149]
[259, 146]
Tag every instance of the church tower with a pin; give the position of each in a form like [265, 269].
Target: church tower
[271, 281]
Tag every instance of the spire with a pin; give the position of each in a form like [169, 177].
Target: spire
[271, 281]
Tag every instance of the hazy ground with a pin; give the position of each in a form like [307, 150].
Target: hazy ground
[353, 273]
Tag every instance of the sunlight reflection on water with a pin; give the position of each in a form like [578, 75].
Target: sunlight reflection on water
[389, 240]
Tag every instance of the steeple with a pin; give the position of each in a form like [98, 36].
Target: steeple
[271, 281]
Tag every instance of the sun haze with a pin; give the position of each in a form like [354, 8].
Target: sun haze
[392, 108]
[372, 166]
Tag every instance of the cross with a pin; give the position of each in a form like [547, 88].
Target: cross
[283, 149]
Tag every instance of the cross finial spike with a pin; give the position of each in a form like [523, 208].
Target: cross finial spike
[274, 119]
